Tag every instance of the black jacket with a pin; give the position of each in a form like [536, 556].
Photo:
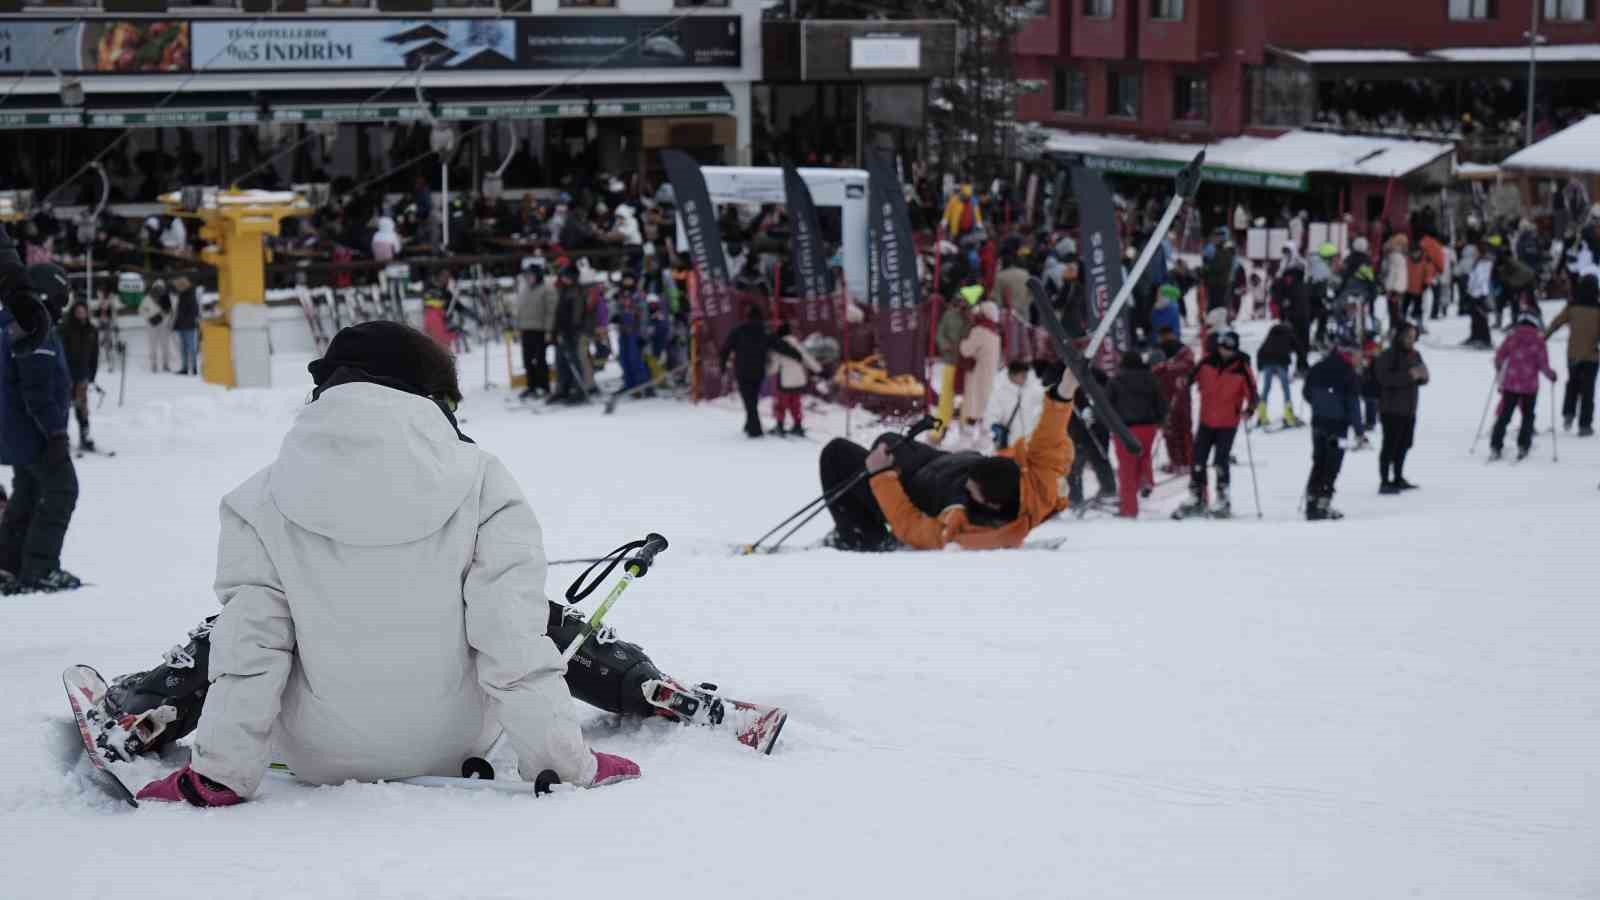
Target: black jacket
[1136, 395]
[569, 311]
[1393, 371]
[934, 480]
[1279, 347]
[748, 344]
[187, 315]
[81, 342]
[1333, 389]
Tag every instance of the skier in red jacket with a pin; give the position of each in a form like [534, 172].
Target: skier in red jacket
[1227, 394]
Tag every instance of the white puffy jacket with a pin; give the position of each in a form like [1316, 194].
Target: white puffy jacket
[383, 607]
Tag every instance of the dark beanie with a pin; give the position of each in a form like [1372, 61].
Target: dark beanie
[391, 353]
[1001, 481]
[1132, 360]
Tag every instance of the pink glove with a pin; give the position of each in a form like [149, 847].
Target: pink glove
[187, 785]
[609, 769]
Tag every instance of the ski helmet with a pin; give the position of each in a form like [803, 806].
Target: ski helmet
[49, 282]
[1228, 340]
[1328, 250]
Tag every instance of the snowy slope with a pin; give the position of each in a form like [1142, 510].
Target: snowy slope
[1399, 705]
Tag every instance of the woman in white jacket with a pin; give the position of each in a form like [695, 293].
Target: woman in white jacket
[382, 584]
[982, 347]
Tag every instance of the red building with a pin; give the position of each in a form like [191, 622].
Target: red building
[1398, 82]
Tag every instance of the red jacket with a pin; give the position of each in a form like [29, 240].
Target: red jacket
[1227, 390]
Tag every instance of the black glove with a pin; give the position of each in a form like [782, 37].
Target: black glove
[56, 449]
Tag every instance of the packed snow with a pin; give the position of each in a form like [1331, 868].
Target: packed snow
[1402, 704]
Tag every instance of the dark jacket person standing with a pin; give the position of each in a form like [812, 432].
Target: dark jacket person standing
[1400, 373]
[34, 400]
[748, 344]
[1137, 397]
[1334, 391]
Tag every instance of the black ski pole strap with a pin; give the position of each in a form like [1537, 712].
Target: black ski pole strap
[577, 591]
[638, 564]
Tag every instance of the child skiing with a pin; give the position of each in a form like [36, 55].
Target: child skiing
[1522, 356]
[1274, 359]
[1227, 394]
[794, 376]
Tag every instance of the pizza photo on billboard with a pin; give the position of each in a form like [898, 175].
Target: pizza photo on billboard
[139, 46]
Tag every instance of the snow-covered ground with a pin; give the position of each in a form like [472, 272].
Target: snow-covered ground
[1403, 704]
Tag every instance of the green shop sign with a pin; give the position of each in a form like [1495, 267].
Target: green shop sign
[1161, 168]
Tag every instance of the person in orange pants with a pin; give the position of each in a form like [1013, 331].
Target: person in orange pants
[1137, 398]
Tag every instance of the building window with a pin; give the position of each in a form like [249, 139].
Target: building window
[566, 4]
[1191, 98]
[336, 4]
[690, 3]
[1566, 10]
[1071, 91]
[1471, 10]
[1122, 95]
[1099, 9]
[1167, 10]
[1281, 96]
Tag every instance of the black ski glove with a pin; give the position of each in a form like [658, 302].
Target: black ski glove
[56, 449]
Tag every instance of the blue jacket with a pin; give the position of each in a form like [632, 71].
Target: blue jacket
[35, 392]
[1334, 392]
[1169, 316]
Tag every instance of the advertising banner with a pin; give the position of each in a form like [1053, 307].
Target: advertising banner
[146, 46]
[697, 217]
[895, 290]
[807, 255]
[1101, 252]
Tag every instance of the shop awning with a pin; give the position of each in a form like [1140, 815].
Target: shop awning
[661, 100]
[1380, 62]
[1284, 163]
[1574, 151]
[395, 105]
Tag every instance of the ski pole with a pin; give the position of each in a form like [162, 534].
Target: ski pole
[636, 567]
[1488, 401]
[1255, 489]
[1555, 455]
[921, 425]
[1187, 183]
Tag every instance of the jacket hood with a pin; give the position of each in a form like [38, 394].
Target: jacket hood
[371, 466]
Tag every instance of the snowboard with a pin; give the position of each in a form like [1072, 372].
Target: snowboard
[753, 725]
[85, 691]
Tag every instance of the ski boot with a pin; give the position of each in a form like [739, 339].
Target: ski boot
[1262, 419]
[1319, 509]
[1289, 418]
[1566, 423]
[145, 711]
[618, 677]
[780, 431]
[1522, 453]
[1222, 508]
[1495, 455]
[1195, 505]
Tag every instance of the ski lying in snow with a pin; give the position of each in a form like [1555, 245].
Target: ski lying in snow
[660, 381]
[1036, 544]
[85, 691]
[81, 453]
[482, 780]
[754, 725]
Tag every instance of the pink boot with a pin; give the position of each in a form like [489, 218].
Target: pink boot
[610, 769]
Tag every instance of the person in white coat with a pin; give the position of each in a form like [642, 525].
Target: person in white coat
[382, 589]
[386, 242]
[982, 347]
[157, 311]
[1015, 405]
